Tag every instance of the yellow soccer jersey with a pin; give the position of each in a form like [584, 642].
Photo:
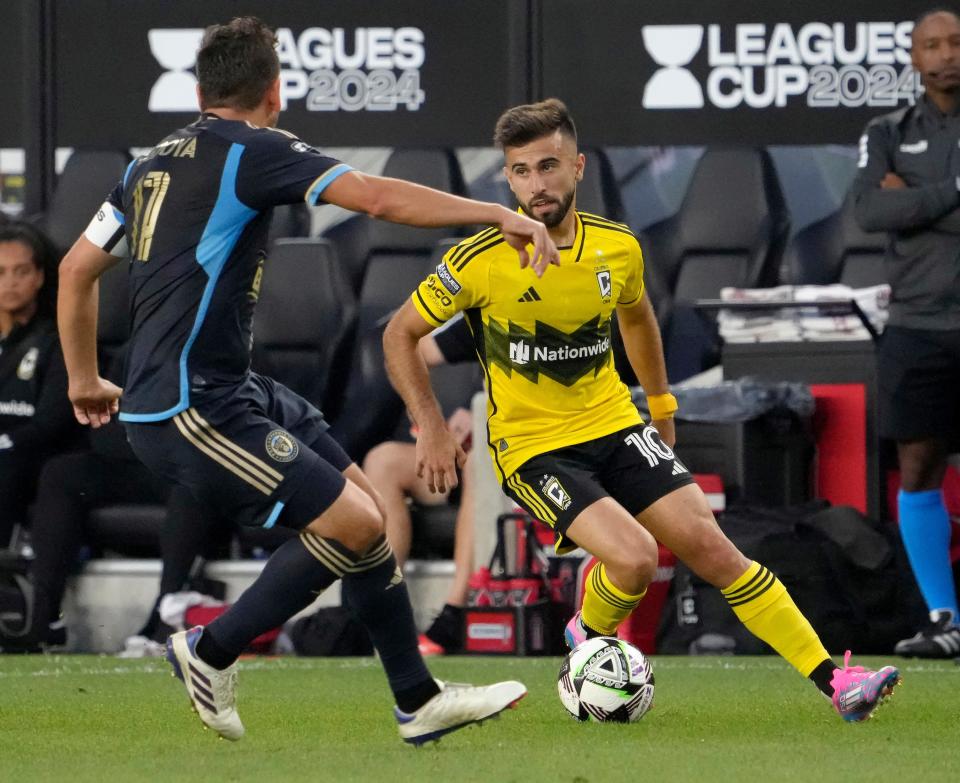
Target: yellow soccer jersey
[544, 342]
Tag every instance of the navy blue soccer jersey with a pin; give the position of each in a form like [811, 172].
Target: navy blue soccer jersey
[193, 214]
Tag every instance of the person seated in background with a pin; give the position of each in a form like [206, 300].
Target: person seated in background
[392, 469]
[72, 485]
[36, 419]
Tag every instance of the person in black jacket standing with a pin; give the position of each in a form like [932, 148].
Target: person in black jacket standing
[909, 186]
[36, 418]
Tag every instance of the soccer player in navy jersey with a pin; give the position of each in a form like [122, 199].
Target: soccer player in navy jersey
[192, 214]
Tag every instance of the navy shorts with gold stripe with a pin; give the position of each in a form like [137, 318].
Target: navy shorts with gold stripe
[632, 466]
[258, 452]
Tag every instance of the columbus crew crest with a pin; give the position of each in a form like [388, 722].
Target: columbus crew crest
[606, 286]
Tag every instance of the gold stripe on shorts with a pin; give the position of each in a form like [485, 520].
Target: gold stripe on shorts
[255, 462]
[202, 441]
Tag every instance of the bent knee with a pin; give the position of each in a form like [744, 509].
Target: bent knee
[368, 526]
[353, 520]
[634, 565]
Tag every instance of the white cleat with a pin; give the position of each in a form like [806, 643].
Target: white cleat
[213, 693]
[457, 706]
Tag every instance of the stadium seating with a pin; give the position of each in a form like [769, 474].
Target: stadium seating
[835, 250]
[598, 192]
[113, 317]
[289, 220]
[82, 187]
[305, 311]
[730, 230]
[372, 411]
[351, 241]
[360, 239]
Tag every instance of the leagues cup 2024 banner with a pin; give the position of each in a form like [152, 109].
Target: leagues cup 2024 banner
[808, 72]
[403, 73]
[432, 73]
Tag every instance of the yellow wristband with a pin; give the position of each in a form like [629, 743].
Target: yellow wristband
[662, 406]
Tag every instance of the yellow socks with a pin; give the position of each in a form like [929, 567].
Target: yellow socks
[764, 606]
[605, 606]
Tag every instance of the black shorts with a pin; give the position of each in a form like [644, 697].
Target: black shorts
[918, 374]
[260, 454]
[632, 466]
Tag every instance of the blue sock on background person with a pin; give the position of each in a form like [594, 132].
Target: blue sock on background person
[925, 530]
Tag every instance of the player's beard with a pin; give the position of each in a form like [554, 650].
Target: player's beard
[554, 218]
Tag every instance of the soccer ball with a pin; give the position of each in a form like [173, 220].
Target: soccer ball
[606, 679]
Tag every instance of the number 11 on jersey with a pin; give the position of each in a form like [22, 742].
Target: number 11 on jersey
[146, 210]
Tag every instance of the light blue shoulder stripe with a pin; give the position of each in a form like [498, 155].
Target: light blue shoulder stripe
[126, 173]
[317, 188]
[227, 221]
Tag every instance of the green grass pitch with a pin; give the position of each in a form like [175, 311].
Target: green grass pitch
[84, 718]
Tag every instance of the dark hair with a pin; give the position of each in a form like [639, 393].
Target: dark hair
[523, 124]
[43, 254]
[933, 12]
[237, 63]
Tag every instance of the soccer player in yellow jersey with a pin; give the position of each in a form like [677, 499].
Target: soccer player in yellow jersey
[567, 442]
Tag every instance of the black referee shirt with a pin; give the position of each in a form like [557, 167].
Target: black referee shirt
[922, 146]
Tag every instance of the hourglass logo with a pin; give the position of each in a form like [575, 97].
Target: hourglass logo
[175, 50]
[673, 46]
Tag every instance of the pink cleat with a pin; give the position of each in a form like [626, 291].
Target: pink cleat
[857, 692]
[575, 634]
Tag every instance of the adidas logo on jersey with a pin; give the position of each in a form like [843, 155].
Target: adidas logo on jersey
[530, 295]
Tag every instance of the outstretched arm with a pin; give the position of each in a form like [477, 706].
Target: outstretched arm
[94, 399]
[438, 452]
[399, 201]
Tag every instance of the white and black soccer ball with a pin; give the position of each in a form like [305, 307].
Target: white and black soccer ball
[606, 680]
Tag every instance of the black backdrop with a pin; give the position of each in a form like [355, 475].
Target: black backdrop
[13, 64]
[472, 54]
[804, 72]
[747, 72]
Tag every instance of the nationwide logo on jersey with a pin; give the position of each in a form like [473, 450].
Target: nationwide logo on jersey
[281, 446]
[564, 358]
[554, 490]
[520, 353]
